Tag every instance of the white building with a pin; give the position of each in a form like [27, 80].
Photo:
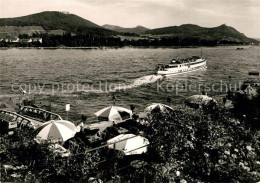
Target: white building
[34, 40]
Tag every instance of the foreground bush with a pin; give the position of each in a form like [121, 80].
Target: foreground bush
[186, 145]
[247, 107]
[201, 146]
[41, 164]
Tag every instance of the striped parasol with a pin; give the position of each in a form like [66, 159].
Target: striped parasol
[160, 106]
[195, 101]
[56, 130]
[114, 113]
[131, 145]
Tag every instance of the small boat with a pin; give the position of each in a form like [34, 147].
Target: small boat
[179, 66]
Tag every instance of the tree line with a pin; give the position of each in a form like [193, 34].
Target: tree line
[99, 38]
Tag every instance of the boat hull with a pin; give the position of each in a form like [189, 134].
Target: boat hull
[185, 68]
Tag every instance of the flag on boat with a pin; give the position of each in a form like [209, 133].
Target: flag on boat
[129, 144]
[56, 130]
[114, 113]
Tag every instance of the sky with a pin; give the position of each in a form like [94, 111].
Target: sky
[243, 15]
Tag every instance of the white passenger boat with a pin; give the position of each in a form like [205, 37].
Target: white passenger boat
[179, 66]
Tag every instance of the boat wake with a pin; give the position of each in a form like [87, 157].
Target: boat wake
[98, 88]
[118, 87]
[122, 86]
[140, 81]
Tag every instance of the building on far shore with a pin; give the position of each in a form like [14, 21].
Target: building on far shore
[11, 39]
[18, 40]
[35, 40]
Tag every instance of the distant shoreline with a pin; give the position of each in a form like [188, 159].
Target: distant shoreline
[117, 47]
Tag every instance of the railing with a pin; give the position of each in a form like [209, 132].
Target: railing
[20, 120]
[39, 114]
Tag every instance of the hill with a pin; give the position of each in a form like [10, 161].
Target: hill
[53, 20]
[136, 30]
[185, 29]
[62, 28]
[15, 31]
[220, 33]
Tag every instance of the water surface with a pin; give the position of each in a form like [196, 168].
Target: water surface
[75, 70]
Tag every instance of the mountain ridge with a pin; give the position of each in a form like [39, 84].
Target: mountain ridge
[222, 32]
[136, 30]
[64, 22]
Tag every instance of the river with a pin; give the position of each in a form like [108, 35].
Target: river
[86, 79]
